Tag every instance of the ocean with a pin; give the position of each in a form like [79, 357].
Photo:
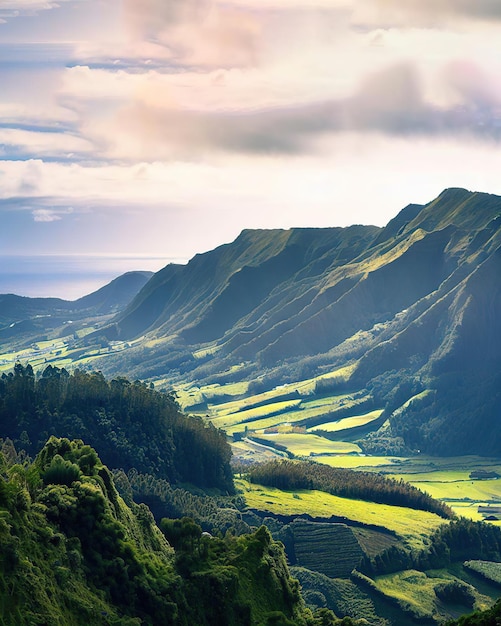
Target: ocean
[69, 276]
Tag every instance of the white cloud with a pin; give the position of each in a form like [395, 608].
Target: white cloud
[234, 114]
[45, 215]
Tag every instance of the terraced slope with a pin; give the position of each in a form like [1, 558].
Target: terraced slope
[331, 549]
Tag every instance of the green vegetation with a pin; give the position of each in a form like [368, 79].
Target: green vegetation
[487, 569]
[331, 549]
[347, 423]
[298, 444]
[130, 424]
[490, 617]
[342, 596]
[74, 553]
[412, 527]
[418, 594]
[372, 487]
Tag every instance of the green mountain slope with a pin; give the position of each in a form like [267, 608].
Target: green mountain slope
[413, 309]
[74, 553]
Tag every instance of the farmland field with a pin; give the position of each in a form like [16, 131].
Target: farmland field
[411, 526]
[309, 445]
[453, 485]
[348, 422]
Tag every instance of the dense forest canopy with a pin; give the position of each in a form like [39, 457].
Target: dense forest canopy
[129, 423]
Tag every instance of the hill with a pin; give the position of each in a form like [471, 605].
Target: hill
[20, 315]
[129, 424]
[74, 553]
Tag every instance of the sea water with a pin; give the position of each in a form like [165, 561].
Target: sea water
[69, 276]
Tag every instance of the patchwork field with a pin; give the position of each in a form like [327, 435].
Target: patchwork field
[448, 479]
[356, 421]
[308, 445]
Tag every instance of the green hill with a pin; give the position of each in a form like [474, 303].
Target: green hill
[74, 553]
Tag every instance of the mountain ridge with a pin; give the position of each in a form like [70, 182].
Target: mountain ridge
[23, 314]
[411, 307]
[407, 297]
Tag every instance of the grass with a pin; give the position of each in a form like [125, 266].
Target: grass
[453, 485]
[251, 415]
[348, 422]
[357, 462]
[308, 445]
[488, 569]
[460, 489]
[415, 592]
[303, 410]
[412, 527]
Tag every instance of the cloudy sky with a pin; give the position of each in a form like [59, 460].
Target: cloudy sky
[165, 127]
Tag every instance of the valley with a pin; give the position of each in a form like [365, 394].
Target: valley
[327, 350]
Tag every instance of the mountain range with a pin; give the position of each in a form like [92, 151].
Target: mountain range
[413, 309]
[20, 315]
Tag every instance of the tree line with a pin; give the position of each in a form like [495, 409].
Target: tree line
[457, 541]
[294, 475]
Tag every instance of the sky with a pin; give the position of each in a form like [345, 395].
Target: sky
[165, 127]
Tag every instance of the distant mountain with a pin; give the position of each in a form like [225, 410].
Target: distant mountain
[116, 295]
[414, 306]
[19, 314]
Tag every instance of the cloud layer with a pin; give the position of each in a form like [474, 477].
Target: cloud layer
[233, 114]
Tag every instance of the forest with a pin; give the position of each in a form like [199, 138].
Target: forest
[74, 553]
[129, 424]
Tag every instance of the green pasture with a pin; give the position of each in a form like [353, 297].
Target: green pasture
[412, 589]
[303, 387]
[411, 526]
[348, 422]
[423, 464]
[308, 445]
[307, 386]
[360, 461]
[453, 485]
[234, 417]
[489, 570]
[450, 489]
[248, 451]
[304, 410]
[249, 416]
[273, 416]
[415, 592]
